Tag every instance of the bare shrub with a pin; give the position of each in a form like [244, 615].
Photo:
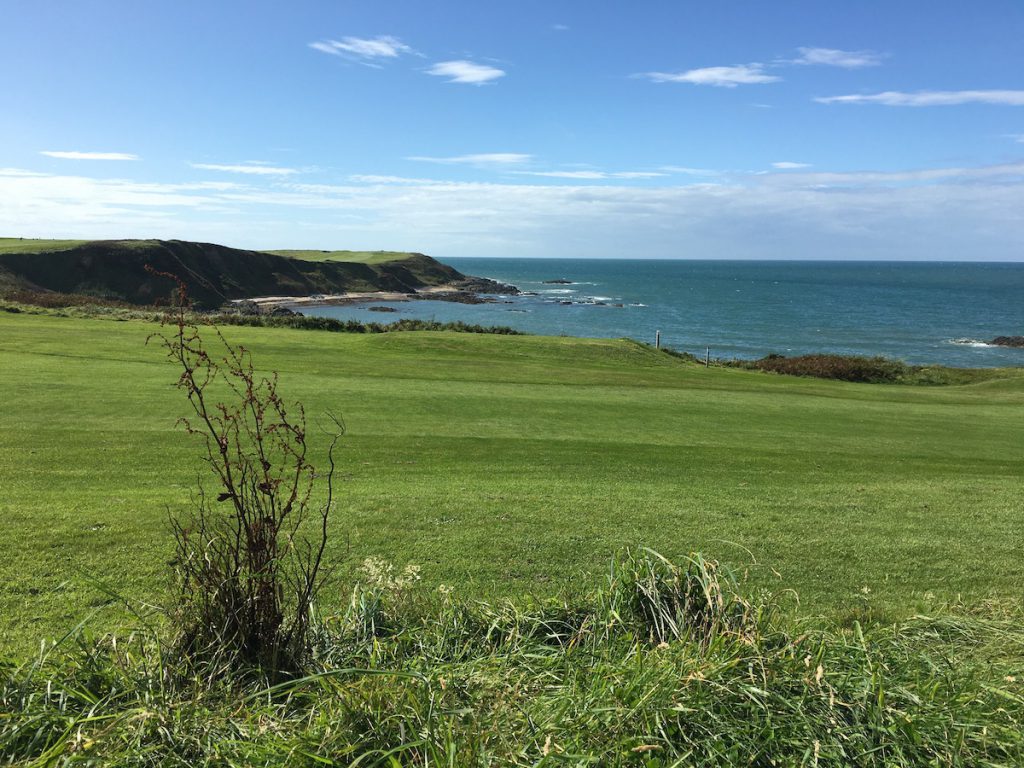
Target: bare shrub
[247, 571]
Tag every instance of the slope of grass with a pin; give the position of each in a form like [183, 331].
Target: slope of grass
[358, 257]
[512, 465]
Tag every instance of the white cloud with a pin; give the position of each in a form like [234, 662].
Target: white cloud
[490, 158]
[832, 57]
[255, 168]
[593, 175]
[559, 27]
[90, 155]
[19, 172]
[366, 50]
[785, 165]
[466, 72]
[1012, 173]
[1018, 137]
[688, 171]
[937, 213]
[930, 98]
[363, 178]
[724, 77]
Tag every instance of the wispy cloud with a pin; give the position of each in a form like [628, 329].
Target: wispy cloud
[1018, 137]
[369, 178]
[938, 213]
[253, 167]
[921, 176]
[723, 77]
[365, 50]
[463, 71]
[20, 172]
[686, 171]
[489, 158]
[786, 165]
[833, 57]
[929, 98]
[593, 175]
[89, 155]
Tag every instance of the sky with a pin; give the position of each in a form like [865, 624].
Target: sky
[654, 129]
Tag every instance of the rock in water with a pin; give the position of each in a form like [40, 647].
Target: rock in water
[1008, 341]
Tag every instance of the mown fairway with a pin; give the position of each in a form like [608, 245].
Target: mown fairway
[510, 465]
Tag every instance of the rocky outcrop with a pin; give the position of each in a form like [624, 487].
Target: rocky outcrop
[252, 309]
[485, 285]
[1008, 341]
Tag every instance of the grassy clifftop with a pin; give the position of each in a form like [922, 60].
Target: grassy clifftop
[215, 273]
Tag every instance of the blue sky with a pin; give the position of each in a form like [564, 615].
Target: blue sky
[578, 129]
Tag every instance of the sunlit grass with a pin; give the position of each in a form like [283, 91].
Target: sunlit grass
[517, 465]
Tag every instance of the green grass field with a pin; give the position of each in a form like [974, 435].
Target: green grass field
[34, 245]
[359, 257]
[513, 465]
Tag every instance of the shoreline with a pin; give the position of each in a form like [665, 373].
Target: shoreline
[458, 293]
[356, 297]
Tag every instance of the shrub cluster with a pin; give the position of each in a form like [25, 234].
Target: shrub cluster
[91, 306]
[875, 370]
[57, 300]
[314, 323]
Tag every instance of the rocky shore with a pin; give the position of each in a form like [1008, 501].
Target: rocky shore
[1008, 341]
[471, 290]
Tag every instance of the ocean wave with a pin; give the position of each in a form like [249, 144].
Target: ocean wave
[638, 304]
[546, 282]
[970, 342]
[560, 291]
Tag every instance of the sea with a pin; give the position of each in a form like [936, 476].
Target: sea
[919, 312]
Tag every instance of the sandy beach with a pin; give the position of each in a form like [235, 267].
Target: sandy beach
[350, 297]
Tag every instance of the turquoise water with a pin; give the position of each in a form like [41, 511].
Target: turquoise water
[909, 311]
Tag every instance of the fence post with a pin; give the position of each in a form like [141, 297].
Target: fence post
[657, 339]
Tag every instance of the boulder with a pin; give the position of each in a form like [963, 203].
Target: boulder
[1008, 341]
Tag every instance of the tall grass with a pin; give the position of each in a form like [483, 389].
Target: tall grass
[666, 665]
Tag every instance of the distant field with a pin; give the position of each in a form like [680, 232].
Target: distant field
[31, 245]
[511, 465]
[34, 245]
[360, 257]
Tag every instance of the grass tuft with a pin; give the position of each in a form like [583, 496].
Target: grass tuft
[667, 665]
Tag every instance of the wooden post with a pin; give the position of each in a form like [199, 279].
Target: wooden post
[707, 358]
[657, 339]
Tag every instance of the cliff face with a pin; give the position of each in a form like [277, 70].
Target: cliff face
[214, 274]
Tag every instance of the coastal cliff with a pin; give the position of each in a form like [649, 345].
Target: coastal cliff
[215, 274]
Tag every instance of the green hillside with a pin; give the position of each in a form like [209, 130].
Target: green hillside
[512, 465]
[117, 269]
